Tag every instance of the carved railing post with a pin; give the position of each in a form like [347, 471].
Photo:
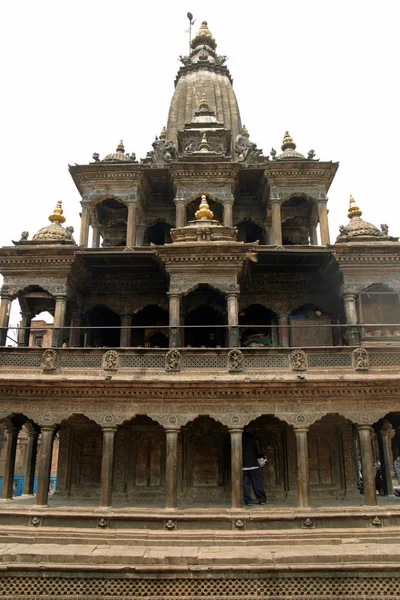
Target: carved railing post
[44, 464]
[367, 462]
[30, 459]
[171, 468]
[107, 466]
[9, 460]
[303, 477]
[236, 467]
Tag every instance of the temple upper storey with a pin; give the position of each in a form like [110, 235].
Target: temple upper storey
[203, 75]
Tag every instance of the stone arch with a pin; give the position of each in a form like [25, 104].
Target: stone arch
[250, 230]
[298, 216]
[109, 213]
[192, 205]
[158, 233]
[379, 303]
[205, 306]
[106, 323]
[257, 326]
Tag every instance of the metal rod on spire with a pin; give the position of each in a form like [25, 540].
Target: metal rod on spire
[191, 22]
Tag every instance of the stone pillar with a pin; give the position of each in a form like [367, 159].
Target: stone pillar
[283, 330]
[228, 207]
[180, 218]
[276, 223]
[75, 332]
[384, 443]
[59, 320]
[313, 235]
[5, 306]
[107, 466]
[350, 311]
[236, 467]
[125, 337]
[9, 460]
[44, 464]
[174, 318]
[24, 328]
[232, 300]
[131, 224]
[303, 478]
[367, 462]
[171, 468]
[323, 222]
[140, 232]
[30, 460]
[95, 236]
[85, 221]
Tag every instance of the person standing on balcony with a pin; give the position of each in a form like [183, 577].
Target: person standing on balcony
[251, 469]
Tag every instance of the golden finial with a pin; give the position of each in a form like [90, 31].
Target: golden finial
[203, 106]
[204, 145]
[244, 131]
[57, 216]
[288, 142]
[354, 211]
[204, 212]
[121, 148]
[204, 36]
[163, 133]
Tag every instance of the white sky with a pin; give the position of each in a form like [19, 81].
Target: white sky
[79, 76]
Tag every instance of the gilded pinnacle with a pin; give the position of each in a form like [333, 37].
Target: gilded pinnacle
[244, 131]
[121, 148]
[57, 216]
[354, 211]
[204, 36]
[204, 213]
[203, 106]
[288, 142]
[163, 133]
[204, 145]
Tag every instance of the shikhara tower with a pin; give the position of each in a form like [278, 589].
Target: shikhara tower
[203, 294]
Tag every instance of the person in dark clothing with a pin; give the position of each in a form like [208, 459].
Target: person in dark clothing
[251, 470]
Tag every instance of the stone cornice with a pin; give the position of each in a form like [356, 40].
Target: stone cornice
[46, 260]
[301, 173]
[105, 175]
[191, 173]
[373, 256]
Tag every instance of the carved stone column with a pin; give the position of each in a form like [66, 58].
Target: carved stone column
[232, 300]
[171, 468]
[283, 330]
[5, 306]
[367, 462]
[44, 464]
[323, 222]
[95, 236]
[303, 478]
[313, 235]
[59, 320]
[75, 332]
[85, 221]
[9, 460]
[131, 224]
[384, 443]
[350, 311]
[180, 218]
[236, 467]
[174, 318]
[24, 328]
[140, 233]
[125, 337]
[228, 207]
[30, 460]
[276, 222]
[107, 466]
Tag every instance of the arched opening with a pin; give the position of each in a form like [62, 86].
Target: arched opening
[215, 207]
[35, 318]
[106, 328]
[205, 452]
[158, 233]
[257, 329]
[153, 322]
[205, 311]
[386, 445]
[248, 231]
[296, 221]
[112, 215]
[275, 440]
[310, 326]
[80, 457]
[380, 305]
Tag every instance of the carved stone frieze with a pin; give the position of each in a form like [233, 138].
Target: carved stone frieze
[298, 360]
[55, 286]
[110, 360]
[283, 193]
[355, 284]
[173, 360]
[50, 361]
[235, 360]
[191, 281]
[360, 359]
[218, 194]
[301, 419]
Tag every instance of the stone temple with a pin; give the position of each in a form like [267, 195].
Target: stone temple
[204, 294]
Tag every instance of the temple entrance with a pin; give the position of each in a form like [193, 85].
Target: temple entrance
[107, 328]
[205, 462]
[205, 308]
[254, 335]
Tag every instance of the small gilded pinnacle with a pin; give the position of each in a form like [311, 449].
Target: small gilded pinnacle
[163, 133]
[204, 212]
[57, 215]
[121, 148]
[288, 142]
[354, 210]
